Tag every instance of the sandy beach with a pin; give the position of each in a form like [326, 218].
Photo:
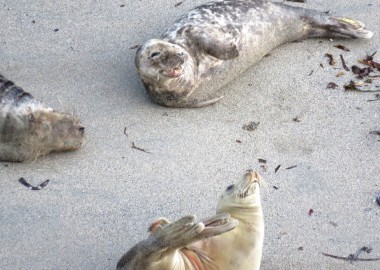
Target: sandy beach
[313, 145]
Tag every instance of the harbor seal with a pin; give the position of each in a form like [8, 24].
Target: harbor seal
[29, 129]
[212, 44]
[231, 240]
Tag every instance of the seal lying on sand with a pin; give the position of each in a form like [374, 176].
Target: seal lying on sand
[29, 129]
[212, 44]
[231, 240]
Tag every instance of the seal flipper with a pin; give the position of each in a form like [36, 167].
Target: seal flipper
[186, 231]
[174, 100]
[219, 42]
[190, 103]
[339, 27]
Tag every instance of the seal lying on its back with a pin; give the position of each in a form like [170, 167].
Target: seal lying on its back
[29, 129]
[214, 43]
[231, 240]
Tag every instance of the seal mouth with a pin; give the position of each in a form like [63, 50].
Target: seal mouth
[173, 73]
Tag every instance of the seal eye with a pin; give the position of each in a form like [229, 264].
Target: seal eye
[155, 54]
[229, 188]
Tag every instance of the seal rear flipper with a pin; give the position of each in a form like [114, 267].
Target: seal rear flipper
[337, 27]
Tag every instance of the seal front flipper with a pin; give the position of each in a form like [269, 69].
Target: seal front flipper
[220, 42]
[174, 100]
[167, 240]
[186, 231]
[191, 103]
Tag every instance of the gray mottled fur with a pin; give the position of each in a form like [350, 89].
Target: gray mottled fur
[29, 129]
[220, 40]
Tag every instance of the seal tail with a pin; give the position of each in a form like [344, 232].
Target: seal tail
[337, 27]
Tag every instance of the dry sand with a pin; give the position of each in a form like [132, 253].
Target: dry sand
[101, 199]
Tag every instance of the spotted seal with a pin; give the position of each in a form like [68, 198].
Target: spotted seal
[231, 240]
[212, 44]
[29, 129]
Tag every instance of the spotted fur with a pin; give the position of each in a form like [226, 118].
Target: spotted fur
[214, 43]
[29, 129]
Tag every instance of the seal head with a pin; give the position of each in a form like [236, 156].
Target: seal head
[167, 70]
[29, 129]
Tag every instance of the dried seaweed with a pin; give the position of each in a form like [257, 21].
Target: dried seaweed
[354, 257]
[29, 186]
[369, 61]
[251, 126]
[178, 4]
[331, 59]
[277, 168]
[140, 149]
[377, 97]
[296, 119]
[332, 85]
[354, 86]
[296, 1]
[344, 63]
[341, 47]
[361, 72]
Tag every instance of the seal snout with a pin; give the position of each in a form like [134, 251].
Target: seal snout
[248, 185]
[172, 64]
